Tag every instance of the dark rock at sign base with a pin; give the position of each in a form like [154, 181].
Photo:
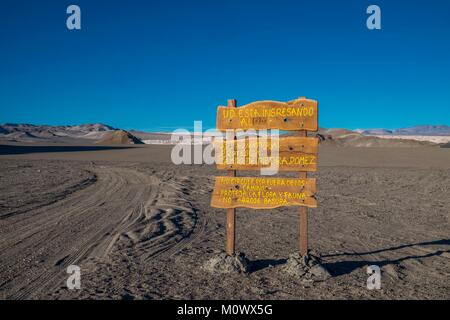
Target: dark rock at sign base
[307, 282]
[312, 261]
[223, 263]
[304, 259]
[319, 272]
[307, 267]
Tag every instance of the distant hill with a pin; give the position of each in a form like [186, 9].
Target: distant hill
[78, 129]
[428, 130]
[441, 130]
[354, 139]
[359, 140]
[336, 131]
[84, 133]
[119, 137]
[151, 135]
[375, 131]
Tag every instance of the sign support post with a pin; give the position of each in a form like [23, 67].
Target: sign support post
[303, 216]
[231, 213]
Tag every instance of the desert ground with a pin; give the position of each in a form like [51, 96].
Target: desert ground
[140, 227]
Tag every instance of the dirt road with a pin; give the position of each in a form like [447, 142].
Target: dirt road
[119, 208]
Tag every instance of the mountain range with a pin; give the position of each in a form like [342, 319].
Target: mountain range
[439, 130]
[85, 133]
[104, 134]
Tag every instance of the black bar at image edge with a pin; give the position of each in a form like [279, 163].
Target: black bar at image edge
[220, 309]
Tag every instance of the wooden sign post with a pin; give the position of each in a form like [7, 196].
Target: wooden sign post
[231, 212]
[295, 153]
[303, 221]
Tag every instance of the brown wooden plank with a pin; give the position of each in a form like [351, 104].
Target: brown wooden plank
[263, 193]
[295, 154]
[292, 144]
[299, 114]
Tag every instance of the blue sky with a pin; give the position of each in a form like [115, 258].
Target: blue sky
[159, 65]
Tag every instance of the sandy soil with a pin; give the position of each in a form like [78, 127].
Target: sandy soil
[141, 228]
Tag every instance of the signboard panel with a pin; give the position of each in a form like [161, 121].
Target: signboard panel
[294, 153]
[299, 114]
[263, 193]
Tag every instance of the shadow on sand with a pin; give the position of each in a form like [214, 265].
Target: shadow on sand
[344, 267]
[257, 265]
[14, 149]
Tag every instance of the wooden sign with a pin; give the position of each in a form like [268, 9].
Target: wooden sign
[263, 193]
[299, 114]
[294, 153]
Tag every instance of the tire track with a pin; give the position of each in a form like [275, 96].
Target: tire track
[60, 234]
[125, 212]
[170, 222]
